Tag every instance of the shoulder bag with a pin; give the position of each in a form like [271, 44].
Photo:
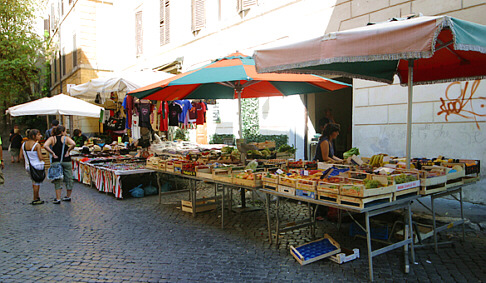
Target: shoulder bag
[55, 172]
[37, 175]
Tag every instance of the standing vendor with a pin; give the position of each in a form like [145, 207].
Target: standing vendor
[325, 147]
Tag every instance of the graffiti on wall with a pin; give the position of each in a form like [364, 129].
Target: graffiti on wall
[462, 105]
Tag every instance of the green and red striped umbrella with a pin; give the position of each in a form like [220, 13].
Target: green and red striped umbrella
[225, 77]
[234, 76]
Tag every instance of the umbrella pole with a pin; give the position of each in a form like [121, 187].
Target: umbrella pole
[409, 111]
[240, 126]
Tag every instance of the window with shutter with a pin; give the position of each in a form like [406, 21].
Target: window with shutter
[138, 33]
[164, 22]
[75, 52]
[198, 15]
[244, 5]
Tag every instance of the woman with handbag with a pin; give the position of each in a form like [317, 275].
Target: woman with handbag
[31, 152]
[61, 160]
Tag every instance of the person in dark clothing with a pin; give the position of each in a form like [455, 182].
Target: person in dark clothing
[15, 144]
[79, 138]
[56, 142]
[325, 148]
[48, 133]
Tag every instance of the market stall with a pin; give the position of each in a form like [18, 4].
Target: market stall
[371, 186]
[105, 173]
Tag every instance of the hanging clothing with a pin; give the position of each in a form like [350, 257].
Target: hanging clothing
[144, 111]
[135, 127]
[201, 113]
[128, 105]
[164, 116]
[174, 112]
[192, 116]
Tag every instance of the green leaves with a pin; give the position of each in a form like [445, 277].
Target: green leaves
[21, 52]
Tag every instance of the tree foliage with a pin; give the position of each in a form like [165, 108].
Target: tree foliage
[21, 52]
[249, 115]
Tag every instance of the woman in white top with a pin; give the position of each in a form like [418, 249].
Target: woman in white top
[33, 149]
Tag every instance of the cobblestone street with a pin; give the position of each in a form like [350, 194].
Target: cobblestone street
[96, 238]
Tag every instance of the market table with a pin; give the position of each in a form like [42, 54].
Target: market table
[104, 179]
[404, 203]
[192, 189]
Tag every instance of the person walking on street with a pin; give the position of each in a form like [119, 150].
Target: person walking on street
[58, 141]
[15, 144]
[54, 125]
[31, 152]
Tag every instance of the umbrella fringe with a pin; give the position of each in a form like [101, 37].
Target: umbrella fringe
[470, 47]
[446, 80]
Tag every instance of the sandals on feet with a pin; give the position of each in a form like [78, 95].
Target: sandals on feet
[37, 201]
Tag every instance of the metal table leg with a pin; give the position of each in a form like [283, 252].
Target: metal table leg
[368, 241]
[277, 204]
[405, 236]
[193, 187]
[267, 209]
[432, 200]
[462, 216]
[222, 206]
[410, 223]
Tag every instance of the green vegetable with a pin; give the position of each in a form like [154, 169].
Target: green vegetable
[286, 148]
[371, 184]
[351, 152]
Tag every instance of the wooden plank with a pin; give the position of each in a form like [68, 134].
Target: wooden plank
[405, 193]
[328, 187]
[286, 190]
[358, 190]
[364, 202]
[330, 197]
[426, 190]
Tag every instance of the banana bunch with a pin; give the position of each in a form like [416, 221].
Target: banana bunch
[377, 160]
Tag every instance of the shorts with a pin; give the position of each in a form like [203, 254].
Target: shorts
[15, 152]
[33, 182]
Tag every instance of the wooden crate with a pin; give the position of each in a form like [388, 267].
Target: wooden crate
[327, 187]
[330, 197]
[46, 158]
[256, 182]
[270, 180]
[406, 193]
[270, 186]
[204, 172]
[306, 184]
[223, 175]
[311, 193]
[162, 165]
[204, 204]
[455, 175]
[470, 179]
[365, 202]
[454, 182]
[169, 166]
[359, 190]
[315, 250]
[427, 190]
[408, 185]
[286, 190]
[287, 181]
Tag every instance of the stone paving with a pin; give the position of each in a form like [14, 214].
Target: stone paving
[96, 238]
